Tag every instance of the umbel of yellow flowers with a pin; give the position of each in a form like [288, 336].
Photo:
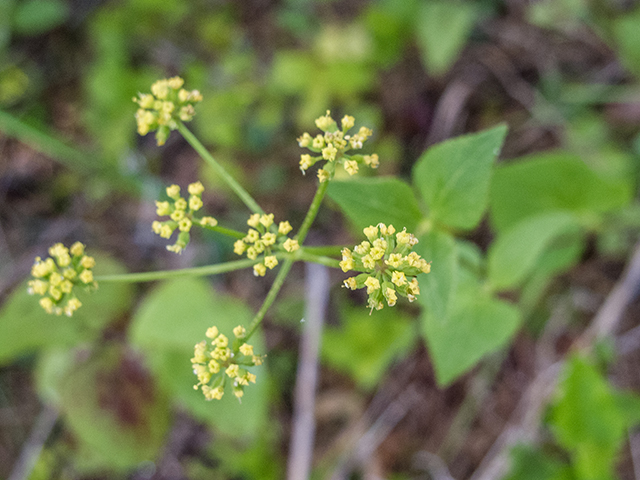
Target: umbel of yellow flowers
[182, 215]
[333, 145]
[56, 276]
[389, 266]
[217, 363]
[166, 106]
[262, 239]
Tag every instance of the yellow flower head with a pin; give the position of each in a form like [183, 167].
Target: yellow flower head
[165, 107]
[334, 147]
[389, 267]
[56, 277]
[216, 365]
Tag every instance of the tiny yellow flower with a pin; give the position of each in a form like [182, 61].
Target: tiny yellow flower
[390, 295]
[208, 222]
[325, 122]
[372, 284]
[173, 192]
[351, 166]
[347, 122]
[195, 188]
[77, 249]
[351, 283]
[329, 152]
[323, 175]
[71, 306]
[398, 278]
[305, 140]
[266, 220]
[86, 276]
[254, 220]
[372, 160]
[184, 225]
[246, 349]
[305, 162]
[259, 270]
[284, 227]
[195, 203]
[163, 208]
[212, 332]
[239, 247]
[270, 261]
[291, 245]
[232, 370]
[239, 331]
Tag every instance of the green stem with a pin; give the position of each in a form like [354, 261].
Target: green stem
[313, 211]
[225, 231]
[304, 256]
[271, 296]
[284, 270]
[327, 251]
[235, 186]
[184, 272]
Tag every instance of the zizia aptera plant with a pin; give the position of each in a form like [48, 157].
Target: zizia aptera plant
[385, 263]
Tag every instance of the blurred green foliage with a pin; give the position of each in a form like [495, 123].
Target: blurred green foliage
[265, 74]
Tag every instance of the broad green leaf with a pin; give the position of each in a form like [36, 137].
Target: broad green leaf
[369, 201]
[453, 177]
[170, 321]
[442, 28]
[625, 30]
[513, 255]
[476, 326]
[114, 409]
[438, 287]
[25, 327]
[33, 17]
[552, 181]
[558, 257]
[52, 368]
[535, 465]
[366, 344]
[590, 420]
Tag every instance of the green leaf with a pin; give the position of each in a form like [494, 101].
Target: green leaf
[33, 17]
[438, 287]
[476, 326]
[625, 31]
[590, 420]
[453, 177]
[366, 344]
[535, 465]
[25, 327]
[513, 255]
[369, 201]
[442, 29]
[115, 410]
[552, 181]
[170, 321]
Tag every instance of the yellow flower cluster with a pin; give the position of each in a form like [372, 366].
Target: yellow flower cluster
[262, 239]
[181, 215]
[166, 106]
[389, 265]
[55, 277]
[333, 146]
[216, 361]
